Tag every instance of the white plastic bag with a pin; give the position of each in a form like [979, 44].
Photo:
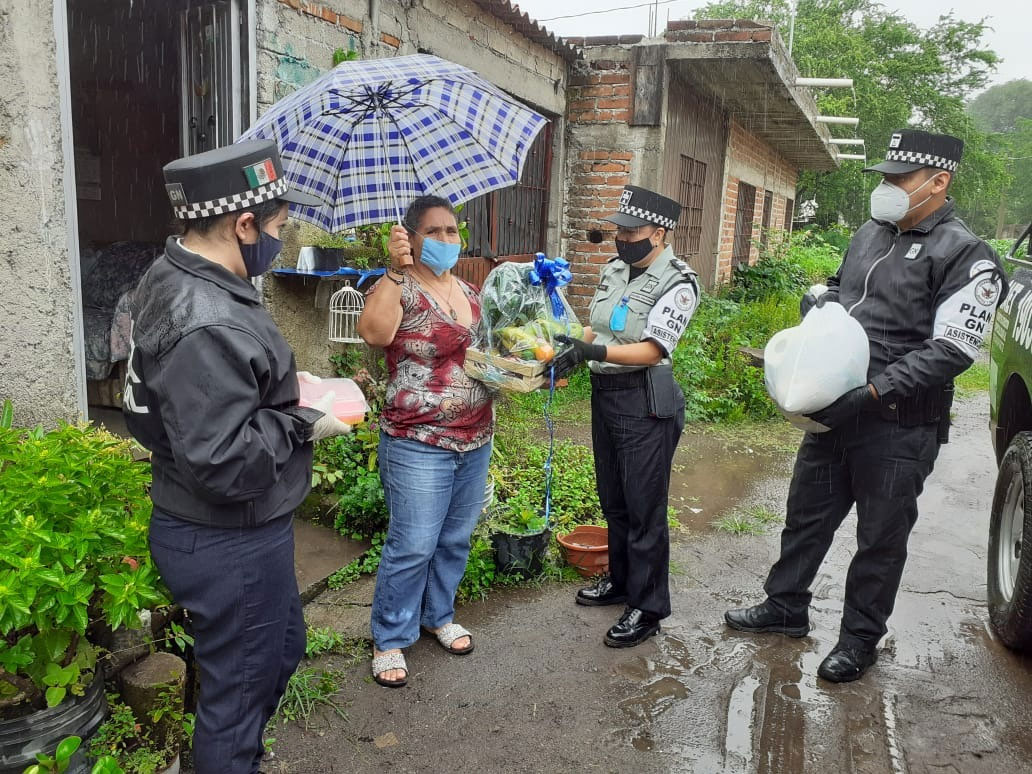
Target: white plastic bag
[810, 366]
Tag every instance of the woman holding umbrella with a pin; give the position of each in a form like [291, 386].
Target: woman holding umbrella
[643, 303]
[435, 436]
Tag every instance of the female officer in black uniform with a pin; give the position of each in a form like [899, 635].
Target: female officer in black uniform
[643, 303]
[212, 392]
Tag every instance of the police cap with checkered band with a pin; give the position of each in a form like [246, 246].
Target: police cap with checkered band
[912, 149]
[640, 206]
[229, 179]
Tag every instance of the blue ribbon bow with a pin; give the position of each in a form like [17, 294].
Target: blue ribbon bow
[552, 273]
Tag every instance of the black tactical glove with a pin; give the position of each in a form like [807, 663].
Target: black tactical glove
[574, 353]
[809, 301]
[846, 407]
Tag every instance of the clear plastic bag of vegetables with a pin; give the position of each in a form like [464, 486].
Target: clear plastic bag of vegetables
[523, 310]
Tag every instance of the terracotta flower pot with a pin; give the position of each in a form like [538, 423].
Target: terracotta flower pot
[587, 549]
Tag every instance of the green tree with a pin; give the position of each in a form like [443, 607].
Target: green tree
[1005, 112]
[902, 76]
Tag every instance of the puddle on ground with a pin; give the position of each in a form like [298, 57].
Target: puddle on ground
[711, 475]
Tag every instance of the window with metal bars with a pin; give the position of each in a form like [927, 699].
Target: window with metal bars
[743, 224]
[768, 207]
[691, 192]
[789, 212]
[511, 223]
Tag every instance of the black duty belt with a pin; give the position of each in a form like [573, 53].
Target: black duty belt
[625, 380]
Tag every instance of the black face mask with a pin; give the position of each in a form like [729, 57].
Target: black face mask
[633, 252]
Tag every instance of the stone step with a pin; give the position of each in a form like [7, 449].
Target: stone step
[318, 553]
[344, 610]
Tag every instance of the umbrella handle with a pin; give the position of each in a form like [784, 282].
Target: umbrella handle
[381, 115]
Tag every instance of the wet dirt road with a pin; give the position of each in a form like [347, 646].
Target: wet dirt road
[542, 694]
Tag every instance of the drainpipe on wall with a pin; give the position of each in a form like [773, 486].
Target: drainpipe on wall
[64, 87]
[374, 25]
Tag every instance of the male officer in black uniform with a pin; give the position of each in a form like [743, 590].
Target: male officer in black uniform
[924, 288]
[212, 392]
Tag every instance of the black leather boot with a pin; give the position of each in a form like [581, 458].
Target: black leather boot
[634, 627]
[766, 618]
[845, 664]
[602, 593]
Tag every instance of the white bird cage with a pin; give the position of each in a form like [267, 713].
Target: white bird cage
[345, 308]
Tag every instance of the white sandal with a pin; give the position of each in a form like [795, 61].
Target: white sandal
[385, 663]
[450, 632]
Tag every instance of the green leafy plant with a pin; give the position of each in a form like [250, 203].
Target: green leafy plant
[61, 759]
[130, 744]
[748, 521]
[74, 548]
[366, 564]
[322, 640]
[480, 570]
[346, 473]
[517, 521]
[344, 55]
[310, 689]
[518, 465]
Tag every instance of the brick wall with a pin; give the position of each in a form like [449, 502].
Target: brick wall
[599, 95]
[751, 160]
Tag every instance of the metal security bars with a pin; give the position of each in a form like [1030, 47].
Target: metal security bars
[743, 224]
[691, 195]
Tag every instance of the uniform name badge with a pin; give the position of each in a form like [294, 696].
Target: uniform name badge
[618, 319]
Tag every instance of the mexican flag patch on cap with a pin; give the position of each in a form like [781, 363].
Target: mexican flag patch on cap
[260, 173]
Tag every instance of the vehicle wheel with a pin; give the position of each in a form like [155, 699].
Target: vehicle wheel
[1009, 579]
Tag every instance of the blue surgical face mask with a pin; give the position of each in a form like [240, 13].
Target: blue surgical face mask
[258, 257]
[439, 257]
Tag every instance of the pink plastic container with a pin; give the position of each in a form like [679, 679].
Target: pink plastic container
[349, 404]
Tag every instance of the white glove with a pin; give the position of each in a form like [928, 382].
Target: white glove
[327, 425]
[308, 378]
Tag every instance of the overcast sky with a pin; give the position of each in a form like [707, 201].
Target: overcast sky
[1011, 36]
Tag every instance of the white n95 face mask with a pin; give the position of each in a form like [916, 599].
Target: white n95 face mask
[890, 202]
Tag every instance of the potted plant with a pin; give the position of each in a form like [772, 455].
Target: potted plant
[73, 549]
[520, 540]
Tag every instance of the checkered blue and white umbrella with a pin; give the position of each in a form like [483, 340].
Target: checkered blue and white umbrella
[370, 136]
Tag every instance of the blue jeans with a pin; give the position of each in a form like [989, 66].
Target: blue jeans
[249, 633]
[435, 497]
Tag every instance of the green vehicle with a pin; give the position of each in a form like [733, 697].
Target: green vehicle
[1009, 582]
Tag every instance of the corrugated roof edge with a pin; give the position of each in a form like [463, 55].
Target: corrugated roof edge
[529, 28]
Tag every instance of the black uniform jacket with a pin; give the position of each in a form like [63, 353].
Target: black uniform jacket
[212, 391]
[925, 297]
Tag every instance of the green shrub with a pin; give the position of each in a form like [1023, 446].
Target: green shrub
[719, 383]
[480, 570]
[75, 511]
[788, 265]
[519, 477]
[345, 470]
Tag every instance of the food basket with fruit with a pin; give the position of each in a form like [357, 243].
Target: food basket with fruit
[523, 311]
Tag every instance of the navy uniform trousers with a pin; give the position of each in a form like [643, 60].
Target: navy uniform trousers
[249, 632]
[633, 454]
[879, 466]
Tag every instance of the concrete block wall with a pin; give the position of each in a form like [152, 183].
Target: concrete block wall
[753, 161]
[41, 368]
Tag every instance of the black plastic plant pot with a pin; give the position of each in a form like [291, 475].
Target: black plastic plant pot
[40, 732]
[521, 555]
[329, 258]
